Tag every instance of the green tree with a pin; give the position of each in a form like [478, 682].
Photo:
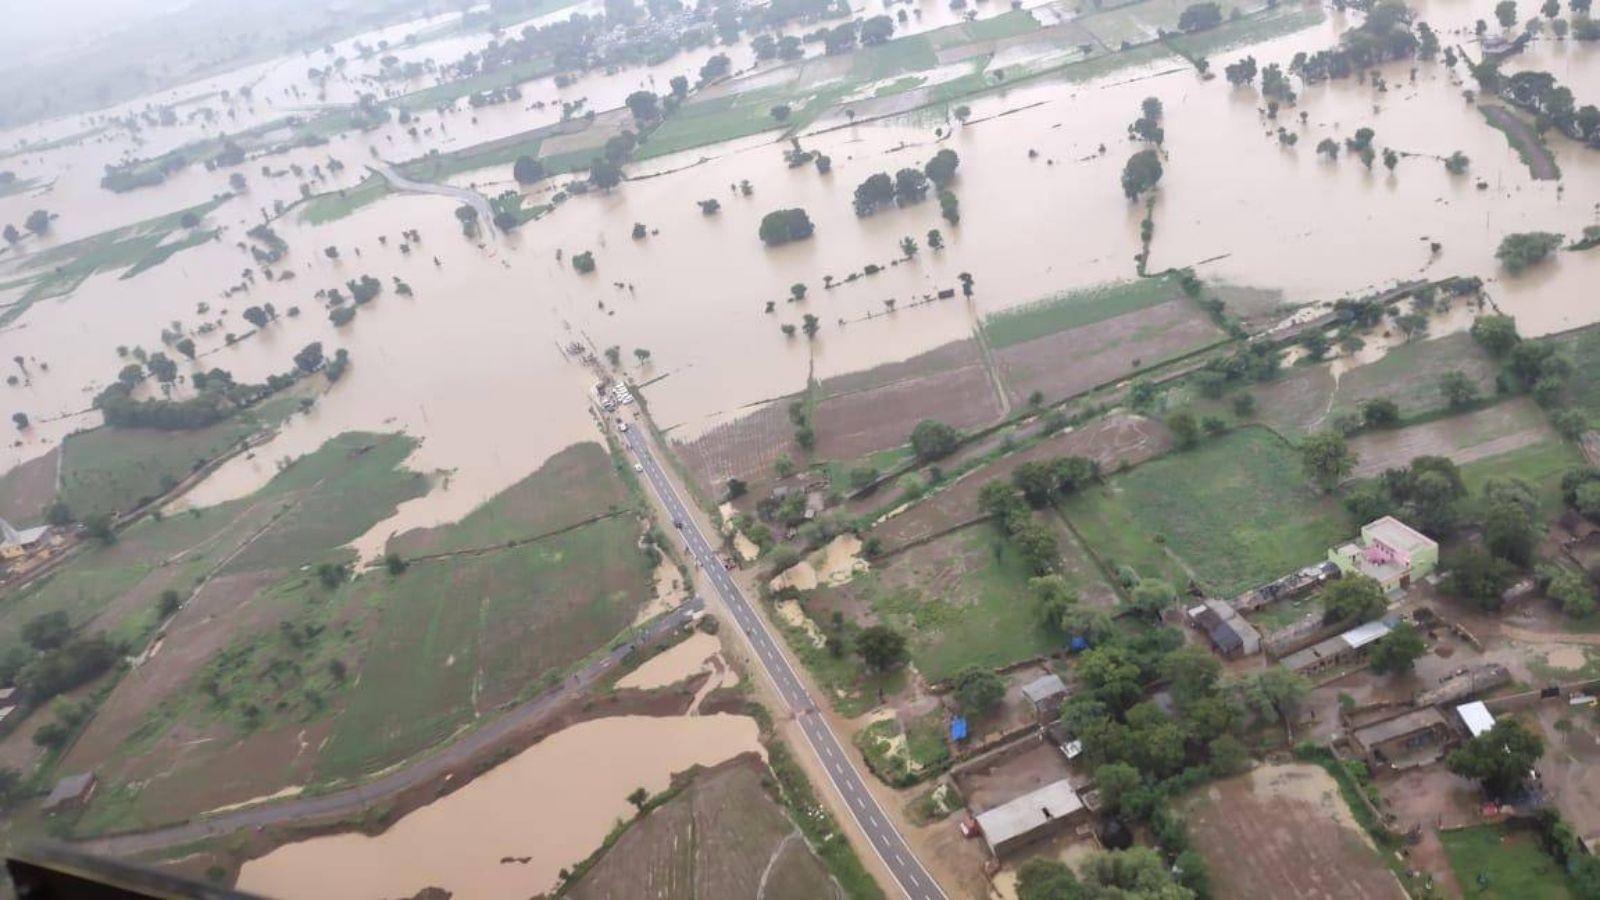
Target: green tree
[1459, 391]
[1500, 758]
[1056, 601]
[1506, 13]
[1519, 251]
[1480, 578]
[1141, 173]
[941, 169]
[1185, 429]
[604, 174]
[1115, 781]
[1495, 334]
[1397, 652]
[881, 648]
[1327, 458]
[527, 170]
[1380, 412]
[639, 796]
[934, 440]
[38, 221]
[1353, 599]
[1275, 692]
[784, 225]
[47, 631]
[978, 692]
[1573, 590]
[1042, 878]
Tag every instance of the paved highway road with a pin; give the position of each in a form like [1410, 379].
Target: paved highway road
[471, 198]
[913, 879]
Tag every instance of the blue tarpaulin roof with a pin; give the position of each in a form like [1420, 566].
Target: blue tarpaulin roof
[958, 729]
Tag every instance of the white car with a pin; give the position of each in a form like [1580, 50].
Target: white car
[623, 427]
[638, 468]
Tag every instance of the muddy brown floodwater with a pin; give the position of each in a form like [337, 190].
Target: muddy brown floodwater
[471, 365]
[509, 832]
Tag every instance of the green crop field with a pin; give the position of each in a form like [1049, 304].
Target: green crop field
[1494, 862]
[1075, 309]
[1540, 465]
[1235, 511]
[108, 470]
[459, 637]
[1582, 349]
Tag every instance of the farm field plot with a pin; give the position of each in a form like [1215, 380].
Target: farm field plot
[1582, 349]
[722, 836]
[1232, 513]
[1306, 398]
[110, 470]
[1113, 441]
[267, 661]
[571, 486]
[1511, 864]
[962, 600]
[27, 489]
[1502, 428]
[1285, 833]
[1070, 344]
[744, 447]
[948, 384]
[1540, 465]
[459, 637]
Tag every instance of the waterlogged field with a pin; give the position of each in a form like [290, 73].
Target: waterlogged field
[461, 438]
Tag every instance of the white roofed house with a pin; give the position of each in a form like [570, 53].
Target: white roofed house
[16, 543]
[1031, 817]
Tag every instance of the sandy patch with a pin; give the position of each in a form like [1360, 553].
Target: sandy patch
[791, 613]
[746, 548]
[834, 564]
[682, 661]
[669, 592]
[1566, 657]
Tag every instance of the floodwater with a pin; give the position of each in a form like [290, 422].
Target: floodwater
[674, 665]
[510, 831]
[472, 364]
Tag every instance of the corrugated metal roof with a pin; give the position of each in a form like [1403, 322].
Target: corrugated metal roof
[1476, 717]
[1362, 635]
[1009, 821]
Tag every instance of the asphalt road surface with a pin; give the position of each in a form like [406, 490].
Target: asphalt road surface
[471, 198]
[907, 870]
[354, 800]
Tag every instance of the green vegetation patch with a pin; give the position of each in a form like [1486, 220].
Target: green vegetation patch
[1540, 465]
[1076, 309]
[459, 637]
[335, 205]
[1496, 862]
[1236, 512]
[961, 601]
[1582, 349]
[714, 120]
[575, 484]
[110, 470]
[904, 755]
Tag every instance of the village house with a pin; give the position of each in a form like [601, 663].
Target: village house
[1046, 693]
[71, 791]
[16, 544]
[1339, 650]
[1031, 817]
[1390, 552]
[1415, 738]
[1228, 631]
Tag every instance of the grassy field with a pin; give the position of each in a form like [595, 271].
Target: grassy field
[109, 470]
[1540, 465]
[334, 205]
[1075, 309]
[458, 637]
[904, 755]
[1235, 512]
[1494, 862]
[718, 119]
[1582, 349]
[960, 600]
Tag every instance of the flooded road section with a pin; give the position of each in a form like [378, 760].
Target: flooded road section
[509, 832]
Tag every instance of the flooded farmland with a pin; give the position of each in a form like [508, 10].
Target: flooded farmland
[440, 229]
[509, 832]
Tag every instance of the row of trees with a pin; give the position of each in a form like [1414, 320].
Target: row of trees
[910, 186]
